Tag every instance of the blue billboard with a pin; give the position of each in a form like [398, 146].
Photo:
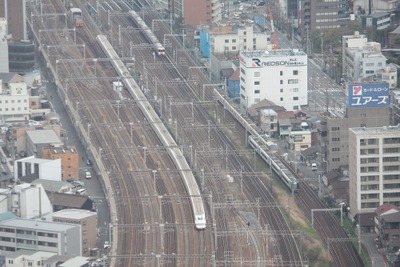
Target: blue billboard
[368, 95]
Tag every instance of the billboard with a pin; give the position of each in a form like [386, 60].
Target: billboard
[254, 60]
[368, 95]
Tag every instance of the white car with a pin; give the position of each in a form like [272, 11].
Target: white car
[88, 175]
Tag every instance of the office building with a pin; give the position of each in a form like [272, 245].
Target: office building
[322, 14]
[279, 76]
[374, 169]
[15, 13]
[38, 235]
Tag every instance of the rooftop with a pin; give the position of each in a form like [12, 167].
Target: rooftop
[273, 53]
[384, 129]
[37, 225]
[73, 214]
[44, 137]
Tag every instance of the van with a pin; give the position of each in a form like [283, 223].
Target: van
[81, 191]
[314, 166]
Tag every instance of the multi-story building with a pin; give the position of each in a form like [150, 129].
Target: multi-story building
[333, 134]
[15, 13]
[232, 39]
[363, 61]
[26, 201]
[279, 76]
[194, 12]
[41, 168]
[88, 222]
[39, 139]
[374, 169]
[69, 160]
[38, 235]
[14, 98]
[22, 258]
[3, 46]
[322, 14]
[376, 21]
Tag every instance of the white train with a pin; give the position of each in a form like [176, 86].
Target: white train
[275, 163]
[163, 134]
[155, 44]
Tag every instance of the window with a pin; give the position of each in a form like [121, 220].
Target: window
[281, 90]
[281, 98]
[256, 91]
[293, 81]
[281, 73]
[256, 74]
[244, 40]
[281, 82]
[335, 149]
[295, 90]
[244, 33]
[233, 40]
[226, 41]
[242, 70]
[257, 83]
[233, 47]
[295, 72]
[335, 128]
[335, 159]
[295, 98]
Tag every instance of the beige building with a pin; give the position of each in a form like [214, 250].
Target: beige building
[88, 222]
[333, 134]
[374, 169]
[69, 160]
[299, 140]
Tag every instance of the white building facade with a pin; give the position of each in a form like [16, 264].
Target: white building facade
[229, 39]
[374, 169]
[279, 76]
[363, 61]
[38, 235]
[14, 101]
[3, 46]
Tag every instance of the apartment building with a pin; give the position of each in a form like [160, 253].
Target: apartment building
[41, 168]
[333, 134]
[3, 46]
[88, 222]
[39, 139]
[364, 61]
[374, 170]
[69, 160]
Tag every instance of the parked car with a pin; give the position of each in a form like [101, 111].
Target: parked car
[88, 175]
[88, 162]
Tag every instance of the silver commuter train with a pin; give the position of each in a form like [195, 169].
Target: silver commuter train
[155, 44]
[275, 163]
[161, 131]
